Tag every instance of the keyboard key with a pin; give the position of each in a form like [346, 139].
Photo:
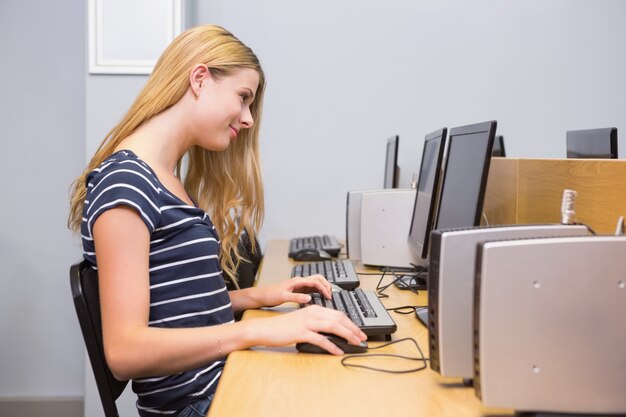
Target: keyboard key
[350, 308]
[366, 307]
[337, 303]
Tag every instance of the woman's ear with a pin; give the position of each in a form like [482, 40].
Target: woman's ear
[199, 73]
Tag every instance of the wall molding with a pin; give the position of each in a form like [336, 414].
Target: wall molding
[42, 406]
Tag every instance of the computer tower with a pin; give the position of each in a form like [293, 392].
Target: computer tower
[353, 225]
[451, 289]
[385, 222]
[550, 324]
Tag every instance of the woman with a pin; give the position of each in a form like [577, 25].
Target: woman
[161, 243]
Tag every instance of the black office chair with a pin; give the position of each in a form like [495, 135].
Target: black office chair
[247, 270]
[84, 284]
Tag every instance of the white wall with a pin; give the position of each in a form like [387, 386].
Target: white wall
[42, 133]
[344, 76]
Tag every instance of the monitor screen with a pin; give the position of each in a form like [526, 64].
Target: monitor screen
[498, 147]
[426, 195]
[465, 175]
[391, 163]
[592, 143]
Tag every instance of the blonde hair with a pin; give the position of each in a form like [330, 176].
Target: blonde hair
[227, 184]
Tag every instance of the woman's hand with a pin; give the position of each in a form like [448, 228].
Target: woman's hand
[305, 325]
[292, 290]
[295, 290]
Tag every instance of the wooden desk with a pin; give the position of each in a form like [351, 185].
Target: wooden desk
[283, 382]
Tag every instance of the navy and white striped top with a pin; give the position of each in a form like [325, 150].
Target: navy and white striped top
[186, 284]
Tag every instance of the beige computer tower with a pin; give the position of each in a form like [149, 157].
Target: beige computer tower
[550, 324]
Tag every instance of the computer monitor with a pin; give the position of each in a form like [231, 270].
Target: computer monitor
[498, 146]
[391, 163]
[592, 143]
[465, 175]
[426, 195]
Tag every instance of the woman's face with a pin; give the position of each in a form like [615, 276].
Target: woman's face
[222, 108]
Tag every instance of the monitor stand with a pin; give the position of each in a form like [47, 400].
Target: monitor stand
[422, 315]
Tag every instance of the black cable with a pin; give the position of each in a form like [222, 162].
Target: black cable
[342, 255]
[593, 232]
[384, 271]
[404, 309]
[381, 288]
[421, 358]
[413, 283]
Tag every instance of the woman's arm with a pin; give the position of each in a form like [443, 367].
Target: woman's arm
[134, 350]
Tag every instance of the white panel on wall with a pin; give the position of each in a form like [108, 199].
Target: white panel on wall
[128, 37]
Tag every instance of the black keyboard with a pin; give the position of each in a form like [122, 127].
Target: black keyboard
[362, 307]
[325, 242]
[338, 272]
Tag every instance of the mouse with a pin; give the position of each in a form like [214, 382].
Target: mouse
[312, 254]
[339, 341]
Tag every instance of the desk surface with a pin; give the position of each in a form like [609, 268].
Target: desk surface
[283, 382]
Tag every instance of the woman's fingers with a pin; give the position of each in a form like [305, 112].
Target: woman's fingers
[313, 283]
[336, 322]
[323, 342]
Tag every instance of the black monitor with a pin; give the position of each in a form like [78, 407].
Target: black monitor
[498, 146]
[465, 175]
[426, 195]
[592, 143]
[391, 163]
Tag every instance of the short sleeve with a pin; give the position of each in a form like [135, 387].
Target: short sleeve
[125, 182]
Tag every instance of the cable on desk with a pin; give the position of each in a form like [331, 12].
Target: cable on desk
[404, 309]
[342, 255]
[381, 289]
[345, 360]
[413, 281]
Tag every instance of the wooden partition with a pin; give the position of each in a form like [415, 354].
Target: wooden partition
[526, 191]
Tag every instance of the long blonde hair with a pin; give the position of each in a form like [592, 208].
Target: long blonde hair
[227, 184]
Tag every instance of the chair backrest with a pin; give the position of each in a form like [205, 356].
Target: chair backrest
[84, 284]
[247, 270]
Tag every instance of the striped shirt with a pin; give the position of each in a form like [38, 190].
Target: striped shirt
[186, 284]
